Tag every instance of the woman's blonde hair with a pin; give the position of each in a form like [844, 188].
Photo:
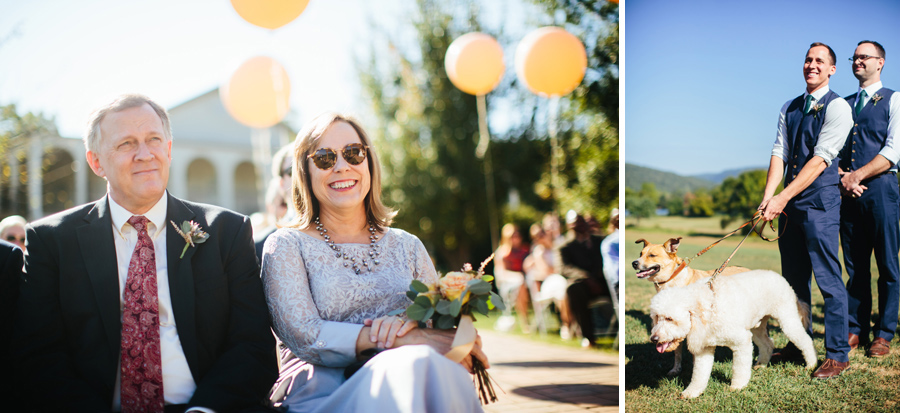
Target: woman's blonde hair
[305, 201]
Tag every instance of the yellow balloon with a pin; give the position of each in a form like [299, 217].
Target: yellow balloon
[258, 93]
[474, 63]
[551, 61]
[269, 14]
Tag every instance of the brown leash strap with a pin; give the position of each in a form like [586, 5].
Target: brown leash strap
[757, 218]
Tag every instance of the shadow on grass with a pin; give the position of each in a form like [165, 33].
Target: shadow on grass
[642, 317]
[554, 364]
[582, 394]
[648, 368]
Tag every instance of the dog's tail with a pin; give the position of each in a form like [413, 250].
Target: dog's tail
[803, 309]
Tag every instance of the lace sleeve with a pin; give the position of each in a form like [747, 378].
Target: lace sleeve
[294, 315]
[424, 267]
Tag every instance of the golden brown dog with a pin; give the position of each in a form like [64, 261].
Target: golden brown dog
[661, 265]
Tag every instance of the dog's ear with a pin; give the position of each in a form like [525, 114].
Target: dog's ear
[671, 245]
[646, 243]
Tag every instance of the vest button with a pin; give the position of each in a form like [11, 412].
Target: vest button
[855, 124]
[854, 151]
[854, 133]
[795, 175]
[795, 166]
[851, 159]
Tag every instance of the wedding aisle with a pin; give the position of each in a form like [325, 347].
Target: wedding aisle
[541, 377]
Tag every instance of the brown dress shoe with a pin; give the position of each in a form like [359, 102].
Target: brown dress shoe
[853, 340]
[879, 348]
[830, 368]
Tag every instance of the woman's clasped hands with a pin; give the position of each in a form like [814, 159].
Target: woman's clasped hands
[394, 331]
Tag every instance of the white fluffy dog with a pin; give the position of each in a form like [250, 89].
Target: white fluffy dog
[731, 312]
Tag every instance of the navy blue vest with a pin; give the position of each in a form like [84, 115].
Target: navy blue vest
[802, 136]
[869, 130]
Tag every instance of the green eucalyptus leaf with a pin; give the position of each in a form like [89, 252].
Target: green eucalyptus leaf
[418, 286]
[487, 278]
[445, 322]
[428, 313]
[423, 301]
[185, 227]
[397, 311]
[497, 301]
[481, 306]
[417, 312]
[479, 287]
[412, 295]
[443, 307]
[455, 306]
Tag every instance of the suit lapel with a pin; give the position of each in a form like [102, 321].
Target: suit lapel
[96, 242]
[181, 279]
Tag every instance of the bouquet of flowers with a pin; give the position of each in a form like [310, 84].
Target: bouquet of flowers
[449, 304]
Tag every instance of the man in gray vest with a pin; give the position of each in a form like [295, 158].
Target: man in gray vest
[869, 209]
[812, 129]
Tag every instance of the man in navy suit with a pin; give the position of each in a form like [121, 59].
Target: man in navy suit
[869, 210]
[812, 129]
[118, 311]
[10, 273]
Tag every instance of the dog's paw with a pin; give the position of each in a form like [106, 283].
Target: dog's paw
[690, 394]
[759, 366]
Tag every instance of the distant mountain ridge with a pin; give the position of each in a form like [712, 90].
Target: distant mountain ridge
[636, 175]
[720, 176]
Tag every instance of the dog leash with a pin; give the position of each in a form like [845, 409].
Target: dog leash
[757, 218]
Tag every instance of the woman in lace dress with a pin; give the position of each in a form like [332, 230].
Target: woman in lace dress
[332, 276]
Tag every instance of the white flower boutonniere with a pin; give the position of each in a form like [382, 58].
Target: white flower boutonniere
[815, 110]
[191, 233]
[875, 98]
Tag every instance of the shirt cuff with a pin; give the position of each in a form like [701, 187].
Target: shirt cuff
[824, 154]
[779, 152]
[336, 343]
[891, 155]
[200, 409]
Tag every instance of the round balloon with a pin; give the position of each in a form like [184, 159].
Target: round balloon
[474, 63]
[258, 93]
[551, 61]
[269, 14]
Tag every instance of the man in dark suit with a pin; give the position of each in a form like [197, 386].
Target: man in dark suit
[118, 311]
[10, 272]
[869, 213]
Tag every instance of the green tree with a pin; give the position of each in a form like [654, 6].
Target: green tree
[639, 205]
[674, 203]
[701, 204]
[15, 130]
[738, 197]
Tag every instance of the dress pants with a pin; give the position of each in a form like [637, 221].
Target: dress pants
[809, 245]
[872, 223]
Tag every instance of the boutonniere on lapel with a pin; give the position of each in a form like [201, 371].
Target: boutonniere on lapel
[815, 110]
[191, 233]
[875, 98]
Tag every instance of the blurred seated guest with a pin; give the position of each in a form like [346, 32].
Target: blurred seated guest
[11, 263]
[582, 264]
[509, 260]
[276, 208]
[333, 274]
[550, 225]
[609, 247]
[539, 263]
[12, 230]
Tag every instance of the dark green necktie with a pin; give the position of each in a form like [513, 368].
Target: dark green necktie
[809, 101]
[859, 100]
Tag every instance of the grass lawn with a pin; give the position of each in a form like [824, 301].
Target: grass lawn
[870, 385]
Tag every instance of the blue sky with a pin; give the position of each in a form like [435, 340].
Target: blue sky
[704, 80]
[63, 58]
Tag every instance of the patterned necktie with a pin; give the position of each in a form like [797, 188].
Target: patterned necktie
[142, 384]
[859, 101]
[809, 101]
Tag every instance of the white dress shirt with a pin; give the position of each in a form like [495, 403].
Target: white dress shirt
[889, 151]
[178, 383]
[838, 122]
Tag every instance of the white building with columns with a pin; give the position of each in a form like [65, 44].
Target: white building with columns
[215, 160]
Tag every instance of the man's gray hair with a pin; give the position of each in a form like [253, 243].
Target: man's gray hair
[92, 134]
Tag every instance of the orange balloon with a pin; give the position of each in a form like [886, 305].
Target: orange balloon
[614, 1]
[551, 61]
[474, 63]
[269, 14]
[258, 93]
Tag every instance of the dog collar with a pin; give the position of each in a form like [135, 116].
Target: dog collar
[677, 270]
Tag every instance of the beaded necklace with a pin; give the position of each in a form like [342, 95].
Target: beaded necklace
[349, 261]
